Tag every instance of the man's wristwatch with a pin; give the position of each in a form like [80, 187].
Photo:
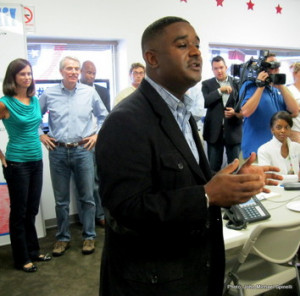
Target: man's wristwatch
[260, 83]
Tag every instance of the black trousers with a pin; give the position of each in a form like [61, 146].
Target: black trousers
[24, 180]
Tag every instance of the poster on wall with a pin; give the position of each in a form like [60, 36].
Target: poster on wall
[13, 46]
[12, 37]
[4, 206]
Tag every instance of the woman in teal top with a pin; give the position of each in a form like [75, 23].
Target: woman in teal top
[22, 164]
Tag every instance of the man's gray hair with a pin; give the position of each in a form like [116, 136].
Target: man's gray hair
[63, 61]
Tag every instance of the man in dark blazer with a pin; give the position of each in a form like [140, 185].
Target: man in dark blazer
[222, 125]
[103, 92]
[162, 206]
[88, 74]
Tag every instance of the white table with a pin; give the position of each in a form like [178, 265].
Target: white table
[276, 206]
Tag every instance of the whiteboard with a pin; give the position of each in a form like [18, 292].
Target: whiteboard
[12, 46]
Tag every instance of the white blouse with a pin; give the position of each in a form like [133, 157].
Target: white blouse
[270, 154]
[296, 93]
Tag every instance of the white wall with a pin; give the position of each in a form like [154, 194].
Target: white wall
[125, 20]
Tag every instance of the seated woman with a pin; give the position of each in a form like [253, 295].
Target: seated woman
[281, 151]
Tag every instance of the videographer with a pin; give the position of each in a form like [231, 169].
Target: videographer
[261, 99]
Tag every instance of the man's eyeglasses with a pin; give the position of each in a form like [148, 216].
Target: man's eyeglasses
[135, 73]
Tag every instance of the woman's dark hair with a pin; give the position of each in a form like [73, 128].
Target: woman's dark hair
[9, 82]
[281, 115]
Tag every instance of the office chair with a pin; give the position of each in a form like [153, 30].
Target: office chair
[263, 262]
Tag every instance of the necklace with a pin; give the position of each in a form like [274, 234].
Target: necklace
[291, 170]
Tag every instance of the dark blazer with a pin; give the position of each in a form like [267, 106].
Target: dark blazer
[213, 122]
[104, 95]
[161, 239]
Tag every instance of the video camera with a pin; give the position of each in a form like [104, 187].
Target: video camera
[250, 70]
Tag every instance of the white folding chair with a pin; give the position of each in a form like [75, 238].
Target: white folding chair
[267, 260]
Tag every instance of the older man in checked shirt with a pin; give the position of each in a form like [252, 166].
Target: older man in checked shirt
[70, 142]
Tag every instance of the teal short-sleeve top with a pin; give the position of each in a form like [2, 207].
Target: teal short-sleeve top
[22, 127]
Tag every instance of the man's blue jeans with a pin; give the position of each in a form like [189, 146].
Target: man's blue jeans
[215, 152]
[79, 161]
[99, 209]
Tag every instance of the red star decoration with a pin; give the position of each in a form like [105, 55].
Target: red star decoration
[278, 9]
[183, 1]
[220, 2]
[250, 5]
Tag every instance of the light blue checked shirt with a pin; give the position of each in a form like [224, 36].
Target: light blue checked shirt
[71, 112]
[181, 112]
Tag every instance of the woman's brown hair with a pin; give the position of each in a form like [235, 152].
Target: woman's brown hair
[9, 82]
